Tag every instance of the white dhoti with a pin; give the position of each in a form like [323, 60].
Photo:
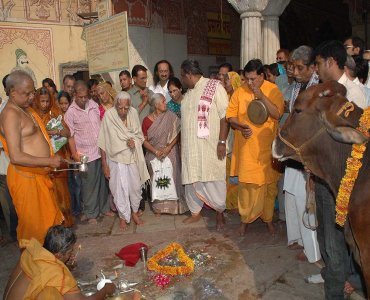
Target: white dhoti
[295, 205]
[124, 183]
[212, 193]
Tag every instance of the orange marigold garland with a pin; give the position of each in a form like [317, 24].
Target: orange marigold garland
[353, 167]
[186, 269]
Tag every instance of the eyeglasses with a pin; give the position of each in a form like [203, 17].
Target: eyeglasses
[348, 46]
[173, 91]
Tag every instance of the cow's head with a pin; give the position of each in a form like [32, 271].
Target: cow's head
[320, 124]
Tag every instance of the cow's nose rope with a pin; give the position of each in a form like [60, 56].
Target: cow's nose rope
[347, 108]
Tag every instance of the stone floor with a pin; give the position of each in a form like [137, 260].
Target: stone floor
[256, 266]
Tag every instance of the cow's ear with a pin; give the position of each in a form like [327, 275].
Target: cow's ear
[341, 130]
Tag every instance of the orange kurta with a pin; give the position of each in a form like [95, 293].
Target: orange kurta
[252, 158]
[48, 276]
[32, 193]
[60, 179]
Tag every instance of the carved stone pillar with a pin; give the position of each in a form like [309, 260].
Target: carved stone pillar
[270, 29]
[256, 42]
[251, 36]
[251, 44]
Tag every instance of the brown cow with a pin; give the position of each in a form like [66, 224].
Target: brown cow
[320, 134]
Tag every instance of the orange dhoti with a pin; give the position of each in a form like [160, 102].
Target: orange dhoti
[32, 193]
[63, 198]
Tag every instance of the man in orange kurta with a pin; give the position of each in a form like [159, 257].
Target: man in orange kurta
[252, 158]
[27, 144]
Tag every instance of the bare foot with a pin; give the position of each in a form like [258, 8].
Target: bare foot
[122, 224]
[192, 219]
[140, 213]
[109, 214]
[157, 213]
[271, 228]
[136, 218]
[295, 246]
[301, 256]
[243, 229]
[92, 221]
[220, 221]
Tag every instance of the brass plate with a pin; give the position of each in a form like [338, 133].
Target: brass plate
[257, 112]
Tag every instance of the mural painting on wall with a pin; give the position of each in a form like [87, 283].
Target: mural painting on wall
[22, 64]
[138, 11]
[174, 19]
[29, 49]
[197, 27]
[43, 10]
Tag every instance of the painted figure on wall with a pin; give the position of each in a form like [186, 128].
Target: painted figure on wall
[22, 64]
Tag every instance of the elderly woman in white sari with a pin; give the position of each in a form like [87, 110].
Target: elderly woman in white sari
[120, 140]
[161, 130]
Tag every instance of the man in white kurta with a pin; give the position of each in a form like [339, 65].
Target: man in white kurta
[121, 139]
[203, 142]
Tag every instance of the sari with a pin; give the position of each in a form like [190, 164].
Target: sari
[161, 133]
[60, 179]
[231, 182]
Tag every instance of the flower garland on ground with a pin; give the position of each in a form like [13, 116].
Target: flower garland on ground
[353, 167]
[186, 269]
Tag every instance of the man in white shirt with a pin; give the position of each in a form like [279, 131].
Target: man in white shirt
[330, 57]
[162, 72]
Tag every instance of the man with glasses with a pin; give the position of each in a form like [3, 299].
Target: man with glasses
[252, 158]
[354, 45]
[28, 147]
[120, 140]
[83, 120]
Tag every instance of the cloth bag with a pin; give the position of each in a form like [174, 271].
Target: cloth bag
[57, 141]
[163, 186]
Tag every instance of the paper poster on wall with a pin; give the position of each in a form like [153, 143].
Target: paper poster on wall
[107, 45]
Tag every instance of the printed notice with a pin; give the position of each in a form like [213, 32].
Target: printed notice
[107, 45]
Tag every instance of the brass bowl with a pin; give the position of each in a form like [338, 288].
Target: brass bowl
[257, 112]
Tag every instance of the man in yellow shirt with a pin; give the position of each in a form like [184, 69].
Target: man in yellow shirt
[252, 159]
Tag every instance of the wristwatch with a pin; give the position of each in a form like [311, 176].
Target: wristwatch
[222, 142]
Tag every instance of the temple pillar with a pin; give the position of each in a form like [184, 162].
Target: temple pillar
[259, 39]
[270, 29]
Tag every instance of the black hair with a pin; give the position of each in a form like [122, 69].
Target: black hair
[176, 82]
[51, 83]
[226, 65]
[357, 42]
[59, 239]
[254, 65]
[274, 69]
[4, 83]
[136, 70]
[125, 72]
[66, 95]
[156, 76]
[190, 66]
[91, 82]
[69, 77]
[334, 49]
[361, 69]
[80, 83]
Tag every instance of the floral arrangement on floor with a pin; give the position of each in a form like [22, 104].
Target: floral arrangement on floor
[185, 269]
[353, 167]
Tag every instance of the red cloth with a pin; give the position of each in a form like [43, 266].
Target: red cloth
[131, 254]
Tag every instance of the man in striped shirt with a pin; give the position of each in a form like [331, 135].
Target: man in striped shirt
[83, 120]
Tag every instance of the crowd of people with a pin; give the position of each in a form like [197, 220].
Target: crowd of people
[179, 145]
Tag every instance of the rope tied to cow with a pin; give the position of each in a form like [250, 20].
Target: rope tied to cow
[353, 166]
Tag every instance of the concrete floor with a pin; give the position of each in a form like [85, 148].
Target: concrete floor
[256, 266]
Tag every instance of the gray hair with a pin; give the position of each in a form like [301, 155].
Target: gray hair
[122, 96]
[350, 63]
[303, 53]
[155, 99]
[15, 79]
[190, 66]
